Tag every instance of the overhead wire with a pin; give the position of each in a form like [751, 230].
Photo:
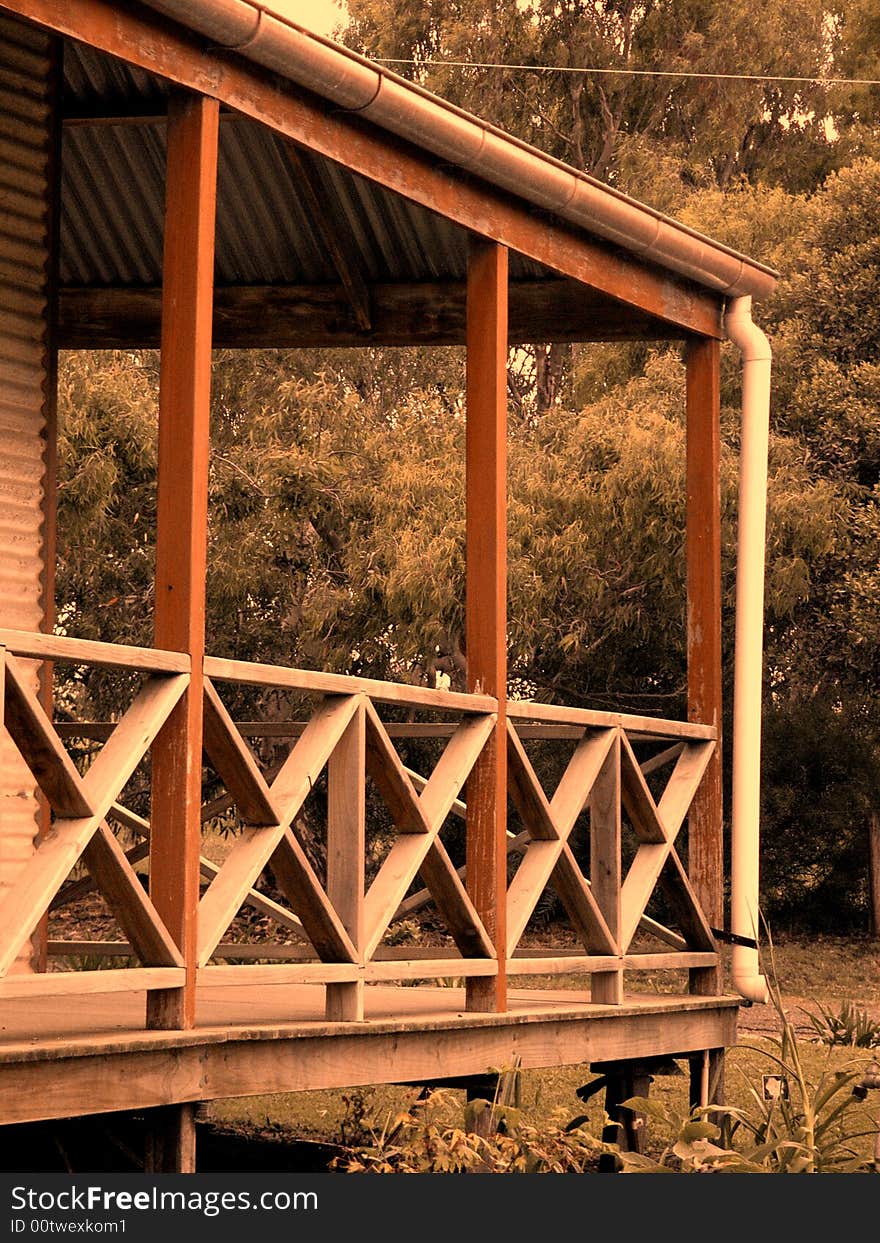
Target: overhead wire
[642, 73]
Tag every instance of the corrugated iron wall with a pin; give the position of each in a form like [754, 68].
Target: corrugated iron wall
[26, 127]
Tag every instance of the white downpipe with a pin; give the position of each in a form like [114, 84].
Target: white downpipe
[749, 650]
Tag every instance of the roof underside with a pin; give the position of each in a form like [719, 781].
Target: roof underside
[270, 235]
[266, 232]
[308, 252]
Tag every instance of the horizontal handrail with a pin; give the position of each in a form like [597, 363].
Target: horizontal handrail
[251, 673]
[635, 726]
[35, 646]
[76, 983]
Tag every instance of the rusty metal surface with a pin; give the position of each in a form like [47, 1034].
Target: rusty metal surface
[24, 154]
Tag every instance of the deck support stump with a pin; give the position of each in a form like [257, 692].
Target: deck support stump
[486, 626]
[706, 1078]
[171, 1140]
[500, 1091]
[626, 1128]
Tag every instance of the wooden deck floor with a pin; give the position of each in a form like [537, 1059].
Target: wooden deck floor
[66, 1056]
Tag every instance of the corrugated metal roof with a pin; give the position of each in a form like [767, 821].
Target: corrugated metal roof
[91, 77]
[353, 83]
[113, 187]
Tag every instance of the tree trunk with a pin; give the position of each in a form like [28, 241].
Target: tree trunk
[550, 365]
[874, 872]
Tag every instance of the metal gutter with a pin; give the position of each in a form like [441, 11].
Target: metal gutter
[356, 84]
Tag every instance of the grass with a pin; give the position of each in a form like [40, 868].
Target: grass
[822, 970]
[830, 969]
[545, 1096]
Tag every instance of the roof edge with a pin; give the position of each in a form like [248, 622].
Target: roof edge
[358, 85]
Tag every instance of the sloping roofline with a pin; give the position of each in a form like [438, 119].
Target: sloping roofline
[356, 84]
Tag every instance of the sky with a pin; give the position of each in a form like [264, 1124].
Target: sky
[318, 15]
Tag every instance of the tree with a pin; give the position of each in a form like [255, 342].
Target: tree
[619, 127]
[655, 137]
[823, 665]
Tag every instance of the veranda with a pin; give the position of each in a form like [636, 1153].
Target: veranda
[199, 172]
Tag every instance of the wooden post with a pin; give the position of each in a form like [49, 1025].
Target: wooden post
[605, 867]
[346, 846]
[705, 824]
[181, 535]
[486, 629]
[625, 1127]
[171, 1140]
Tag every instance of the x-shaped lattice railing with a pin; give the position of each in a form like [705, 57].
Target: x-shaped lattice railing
[345, 922]
[80, 805]
[605, 915]
[657, 825]
[269, 840]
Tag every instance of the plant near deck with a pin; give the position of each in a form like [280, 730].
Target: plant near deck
[850, 1025]
[808, 1129]
[692, 1148]
[421, 1140]
[810, 1133]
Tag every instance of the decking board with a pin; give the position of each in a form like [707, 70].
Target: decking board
[63, 1057]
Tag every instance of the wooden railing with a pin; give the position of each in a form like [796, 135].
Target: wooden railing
[341, 915]
[604, 776]
[80, 807]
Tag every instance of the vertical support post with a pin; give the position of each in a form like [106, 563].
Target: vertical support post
[346, 848]
[705, 823]
[706, 1085]
[182, 525]
[606, 987]
[486, 628]
[171, 1140]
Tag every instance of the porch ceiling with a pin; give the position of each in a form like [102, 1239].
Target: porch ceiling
[346, 194]
[333, 256]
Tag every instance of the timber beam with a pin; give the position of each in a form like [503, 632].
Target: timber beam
[119, 1070]
[322, 316]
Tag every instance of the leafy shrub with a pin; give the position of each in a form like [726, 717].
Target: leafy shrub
[850, 1025]
[421, 1140]
[808, 1128]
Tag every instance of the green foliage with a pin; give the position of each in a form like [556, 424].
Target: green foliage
[806, 1125]
[692, 1148]
[849, 1025]
[820, 785]
[107, 494]
[809, 1130]
[654, 136]
[421, 1140]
